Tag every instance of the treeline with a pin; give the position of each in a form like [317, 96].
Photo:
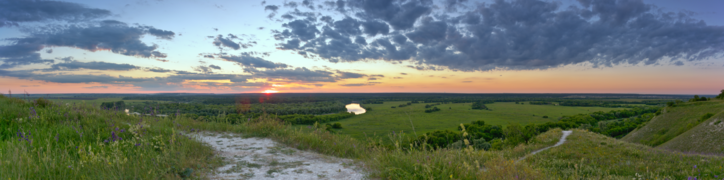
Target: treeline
[616, 123]
[296, 119]
[598, 103]
[200, 109]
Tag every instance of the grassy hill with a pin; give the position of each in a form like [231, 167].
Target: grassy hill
[707, 137]
[587, 155]
[685, 127]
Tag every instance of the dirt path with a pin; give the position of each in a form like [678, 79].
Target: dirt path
[258, 158]
[560, 142]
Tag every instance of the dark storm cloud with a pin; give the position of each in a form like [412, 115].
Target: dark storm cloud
[227, 42]
[401, 15]
[373, 28]
[515, 34]
[95, 65]
[13, 12]
[253, 62]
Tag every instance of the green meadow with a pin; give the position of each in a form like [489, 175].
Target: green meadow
[383, 119]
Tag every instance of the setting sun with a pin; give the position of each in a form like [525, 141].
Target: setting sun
[270, 91]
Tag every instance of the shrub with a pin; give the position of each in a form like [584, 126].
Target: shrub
[40, 102]
[337, 126]
[705, 117]
[481, 144]
[545, 116]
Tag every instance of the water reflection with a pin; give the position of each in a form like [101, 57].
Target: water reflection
[354, 107]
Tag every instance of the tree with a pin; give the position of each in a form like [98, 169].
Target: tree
[721, 95]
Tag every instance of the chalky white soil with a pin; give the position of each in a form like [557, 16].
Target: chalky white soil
[259, 158]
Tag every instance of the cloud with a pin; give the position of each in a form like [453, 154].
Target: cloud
[297, 74]
[97, 87]
[21, 51]
[21, 11]
[515, 34]
[95, 65]
[227, 42]
[159, 70]
[359, 84]
[403, 73]
[111, 35]
[71, 78]
[371, 79]
[679, 63]
[215, 67]
[401, 15]
[163, 34]
[253, 62]
[349, 75]
[397, 78]
[271, 7]
[467, 81]
[377, 75]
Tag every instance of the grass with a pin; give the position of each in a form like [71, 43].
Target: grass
[588, 155]
[382, 119]
[167, 156]
[706, 138]
[54, 141]
[673, 122]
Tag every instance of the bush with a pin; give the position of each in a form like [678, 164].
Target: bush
[337, 126]
[545, 116]
[40, 102]
[705, 117]
[481, 144]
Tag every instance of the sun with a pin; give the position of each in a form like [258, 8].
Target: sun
[270, 91]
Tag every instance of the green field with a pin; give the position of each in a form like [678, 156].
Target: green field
[383, 119]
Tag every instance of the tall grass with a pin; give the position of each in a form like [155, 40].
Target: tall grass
[44, 140]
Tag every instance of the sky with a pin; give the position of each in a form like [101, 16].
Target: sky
[362, 46]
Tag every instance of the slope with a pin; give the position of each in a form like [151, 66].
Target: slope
[588, 155]
[672, 122]
[707, 137]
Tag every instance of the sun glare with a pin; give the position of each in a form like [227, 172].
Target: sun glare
[270, 91]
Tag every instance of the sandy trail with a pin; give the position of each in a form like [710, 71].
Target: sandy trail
[560, 142]
[259, 158]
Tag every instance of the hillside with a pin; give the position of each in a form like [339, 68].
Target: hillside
[673, 121]
[707, 137]
[588, 155]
